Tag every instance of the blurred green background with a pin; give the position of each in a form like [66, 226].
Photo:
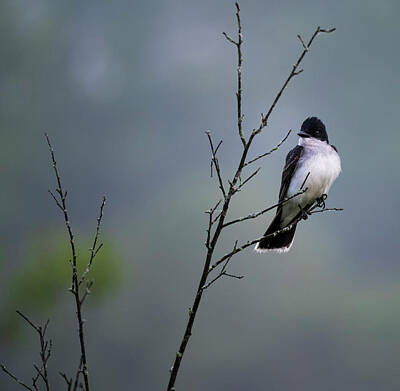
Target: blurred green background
[125, 90]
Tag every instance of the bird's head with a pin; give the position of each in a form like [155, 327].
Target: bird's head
[313, 127]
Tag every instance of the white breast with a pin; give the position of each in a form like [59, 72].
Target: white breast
[322, 165]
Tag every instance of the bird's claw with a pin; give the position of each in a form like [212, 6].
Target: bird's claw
[304, 213]
[321, 201]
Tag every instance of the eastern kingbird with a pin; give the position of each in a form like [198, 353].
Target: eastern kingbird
[312, 166]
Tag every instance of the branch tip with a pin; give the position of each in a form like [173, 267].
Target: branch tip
[302, 42]
[327, 30]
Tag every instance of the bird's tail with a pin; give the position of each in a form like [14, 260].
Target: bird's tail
[281, 242]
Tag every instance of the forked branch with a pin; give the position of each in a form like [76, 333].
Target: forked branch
[312, 210]
[217, 224]
[214, 161]
[294, 72]
[41, 375]
[76, 281]
[45, 352]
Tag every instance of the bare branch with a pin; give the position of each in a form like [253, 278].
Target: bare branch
[298, 72]
[216, 164]
[211, 221]
[213, 209]
[269, 152]
[55, 200]
[328, 210]
[293, 72]
[236, 250]
[89, 285]
[211, 162]
[239, 76]
[234, 184]
[34, 382]
[305, 180]
[219, 144]
[216, 218]
[261, 212]
[39, 372]
[223, 272]
[28, 321]
[94, 250]
[328, 30]
[5, 370]
[245, 245]
[75, 283]
[45, 349]
[77, 374]
[68, 381]
[229, 38]
[247, 179]
[239, 90]
[302, 42]
[233, 276]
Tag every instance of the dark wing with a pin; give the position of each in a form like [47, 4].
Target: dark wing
[292, 159]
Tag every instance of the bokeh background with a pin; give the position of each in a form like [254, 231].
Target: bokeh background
[125, 90]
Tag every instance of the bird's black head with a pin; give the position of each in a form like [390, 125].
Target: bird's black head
[314, 127]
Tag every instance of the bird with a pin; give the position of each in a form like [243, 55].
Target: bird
[310, 168]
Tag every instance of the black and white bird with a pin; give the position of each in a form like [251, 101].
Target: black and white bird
[313, 165]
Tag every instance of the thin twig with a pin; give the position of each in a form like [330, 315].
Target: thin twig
[238, 45]
[77, 374]
[45, 352]
[216, 164]
[302, 42]
[229, 38]
[269, 152]
[34, 382]
[247, 179]
[219, 144]
[236, 250]
[5, 370]
[255, 241]
[328, 210]
[293, 72]
[211, 162]
[223, 272]
[68, 381]
[55, 199]
[211, 221]
[217, 217]
[94, 250]
[327, 30]
[261, 212]
[75, 284]
[305, 180]
[239, 76]
[45, 349]
[29, 321]
[89, 284]
[39, 372]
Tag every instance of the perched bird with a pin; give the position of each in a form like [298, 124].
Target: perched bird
[312, 166]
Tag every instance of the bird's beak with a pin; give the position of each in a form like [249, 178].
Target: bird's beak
[302, 134]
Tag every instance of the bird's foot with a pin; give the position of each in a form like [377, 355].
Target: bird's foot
[304, 213]
[321, 201]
